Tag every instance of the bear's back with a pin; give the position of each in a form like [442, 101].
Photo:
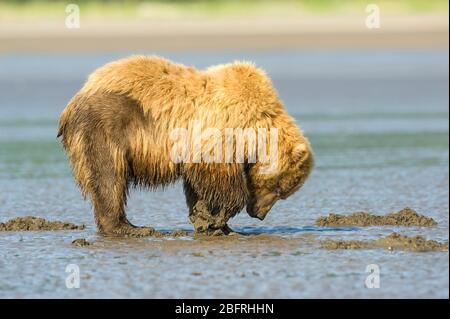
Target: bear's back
[138, 75]
[239, 90]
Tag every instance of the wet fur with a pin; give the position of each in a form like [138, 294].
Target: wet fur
[116, 129]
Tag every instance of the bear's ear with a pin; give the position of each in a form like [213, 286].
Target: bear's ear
[299, 152]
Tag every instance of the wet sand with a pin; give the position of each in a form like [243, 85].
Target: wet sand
[206, 240]
[303, 32]
[391, 242]
[193, 42]
[404, 217]
[273, 244]
[31, 223]
[207, 225]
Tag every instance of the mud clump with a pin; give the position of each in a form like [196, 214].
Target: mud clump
[31, 223]
[146, 231]
[151, 232]
[404, 217]
[178, 233]
[81, 242]
[344, 244]
[208, 223]
[417, 243]
[394, 241]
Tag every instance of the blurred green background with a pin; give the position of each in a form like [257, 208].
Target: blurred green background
[213, 8]
[106, 26]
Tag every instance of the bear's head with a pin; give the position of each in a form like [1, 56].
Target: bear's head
[256, 104]
[294, 166]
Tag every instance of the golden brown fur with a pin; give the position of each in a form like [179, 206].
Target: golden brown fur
[116, 133]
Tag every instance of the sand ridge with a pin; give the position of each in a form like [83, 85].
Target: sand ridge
[394, 241]
[32, 223]
[404, 217]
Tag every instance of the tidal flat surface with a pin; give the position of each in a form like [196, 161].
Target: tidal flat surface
[377, 121]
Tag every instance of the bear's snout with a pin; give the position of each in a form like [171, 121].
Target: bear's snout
[259, 207]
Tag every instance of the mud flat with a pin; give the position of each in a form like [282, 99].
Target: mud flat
[31, 223]
[404, 217]
[394, 241]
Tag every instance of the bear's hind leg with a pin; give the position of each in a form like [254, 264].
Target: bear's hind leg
[108, 187]
[110, 216]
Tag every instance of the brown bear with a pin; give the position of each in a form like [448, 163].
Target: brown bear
[118, 132]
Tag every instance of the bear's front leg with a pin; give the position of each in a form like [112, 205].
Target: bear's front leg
[207, 222]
